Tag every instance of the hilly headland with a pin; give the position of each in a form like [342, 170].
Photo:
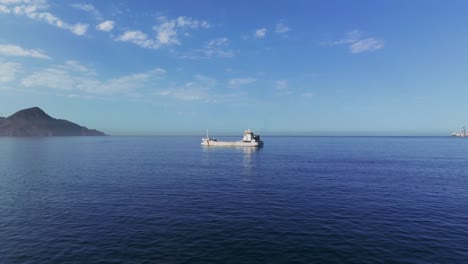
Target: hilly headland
[34, 122]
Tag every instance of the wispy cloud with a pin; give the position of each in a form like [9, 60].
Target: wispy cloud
[37, 10]
[218, 48]
[196, 89]
[281, 28]
[200, 88]
[185, 93]
[350, 37]
[214, 48]
[358, 44]
[260, 33]
[4, 9]
[139, 38]
[75, 77]
[88, 8]
[168, 32]
[188, 22]
[14, 50]
[107, 26]
[236, 82]
[8, 71]
[79, 29]
[281, 85]
[368, 44]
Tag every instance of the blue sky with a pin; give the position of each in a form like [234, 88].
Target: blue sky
[277, 67]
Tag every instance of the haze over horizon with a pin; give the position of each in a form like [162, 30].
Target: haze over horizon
[297, 67]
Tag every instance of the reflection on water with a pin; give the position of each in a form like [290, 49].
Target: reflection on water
[248, 158]
[233, 154]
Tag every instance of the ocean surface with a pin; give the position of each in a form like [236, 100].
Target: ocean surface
[296, 200]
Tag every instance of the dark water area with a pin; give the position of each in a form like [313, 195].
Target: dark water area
[296, 200]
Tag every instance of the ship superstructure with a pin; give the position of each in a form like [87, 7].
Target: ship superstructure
[461, 133]
[250, 139]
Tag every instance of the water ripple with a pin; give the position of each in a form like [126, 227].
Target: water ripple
[300, 200]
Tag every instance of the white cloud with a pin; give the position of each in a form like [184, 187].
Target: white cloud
[79, 29]
[205, 24]
[199, 88]
[4, 9]
[72, 76]
[281, 84]
[368, 44]
[214, 48]
[195, 90]
[8, 71]
[51, 78]
[260, 33]
[139, 38]
[189, 22]
[358, 44]
[281, 28]
[350, 37]
[13, 50]
[218, 48]
[9, 2]
[76, 66]
[241, 81]
[168, 32]
[218, 42]
[88, 8]
[107, 26]
[36, 9]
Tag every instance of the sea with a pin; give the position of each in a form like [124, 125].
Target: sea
[296, 200]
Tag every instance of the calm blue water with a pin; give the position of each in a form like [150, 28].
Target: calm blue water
[297, 200]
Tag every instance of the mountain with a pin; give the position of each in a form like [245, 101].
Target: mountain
[33, 122]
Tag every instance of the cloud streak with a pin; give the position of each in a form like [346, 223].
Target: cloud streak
[75, 77]
[194, 90]
[218, 48]
[14, 50]
[139, 38]
[236, 82]
[168, 32]
[281, 85]
[37, 10]
[368, 44]
[260, 33]
[107, 26]
[358, 44]
[281, 28]
[88, 8]
[8, 71]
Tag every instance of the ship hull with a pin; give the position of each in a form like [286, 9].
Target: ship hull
[211, 143]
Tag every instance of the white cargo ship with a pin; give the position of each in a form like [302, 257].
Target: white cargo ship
[461, 133]
[249, 140]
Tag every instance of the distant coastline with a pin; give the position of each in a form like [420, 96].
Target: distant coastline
[34, 122]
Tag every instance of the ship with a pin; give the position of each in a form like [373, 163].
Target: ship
[250, 139]
[461, 133]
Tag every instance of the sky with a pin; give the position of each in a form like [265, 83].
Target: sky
[277, 67]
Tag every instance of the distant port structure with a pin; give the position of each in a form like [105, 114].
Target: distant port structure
[461, 133]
